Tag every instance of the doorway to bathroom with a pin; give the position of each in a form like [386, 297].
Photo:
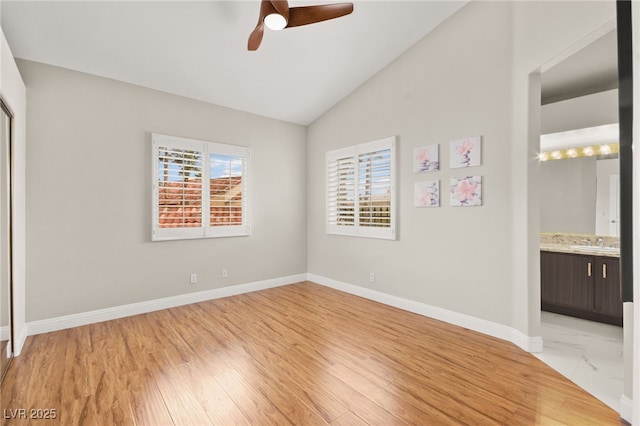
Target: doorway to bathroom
[582, 313]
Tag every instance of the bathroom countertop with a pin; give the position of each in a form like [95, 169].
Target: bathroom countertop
[566, 243]
[564, 248]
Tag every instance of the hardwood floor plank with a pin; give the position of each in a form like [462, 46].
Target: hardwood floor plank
[527, 416]
[84, 411]
[282, 396]
[212, 397]
[254, 405]
[183, 406]
[298, 354]
[348, 419]
[145, 400]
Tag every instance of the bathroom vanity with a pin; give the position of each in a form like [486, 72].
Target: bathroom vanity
[581, 280]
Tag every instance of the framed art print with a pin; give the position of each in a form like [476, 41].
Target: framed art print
[427, 193]
[426, 159]
[465, 152]
[466, 191]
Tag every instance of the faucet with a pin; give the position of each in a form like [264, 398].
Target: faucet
[587, 242]
[600, 243]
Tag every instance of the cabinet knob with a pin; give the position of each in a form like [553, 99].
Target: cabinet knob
[604, 270]
[589, 269]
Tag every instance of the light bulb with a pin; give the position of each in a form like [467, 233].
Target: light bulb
[605, 149]
[275, 21]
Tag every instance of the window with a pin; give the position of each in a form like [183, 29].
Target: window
[200, 189]
[361, 190]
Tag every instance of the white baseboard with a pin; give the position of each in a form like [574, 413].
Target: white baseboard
[626, 408]
[20, 337]
[527, 343]
[85, 318]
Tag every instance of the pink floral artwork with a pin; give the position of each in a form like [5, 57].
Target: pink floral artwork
[465, 152]
[427, 193]
[426, 159]
[466, 191]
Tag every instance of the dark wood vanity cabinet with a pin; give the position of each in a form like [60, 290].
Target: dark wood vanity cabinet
[606, 297]
[582, 286]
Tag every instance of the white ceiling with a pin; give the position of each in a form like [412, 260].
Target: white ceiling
[199, 49]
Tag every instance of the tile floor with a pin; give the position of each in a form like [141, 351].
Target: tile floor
[586, 352]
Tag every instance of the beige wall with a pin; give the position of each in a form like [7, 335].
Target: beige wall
[448, 86]
[89, 195]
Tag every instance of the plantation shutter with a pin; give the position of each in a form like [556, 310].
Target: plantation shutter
[361, 190]
[341, 191]
[200, 189]
[229, 190]
[374, 188]
[180, 187]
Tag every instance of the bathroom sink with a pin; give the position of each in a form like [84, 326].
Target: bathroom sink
[596, 248]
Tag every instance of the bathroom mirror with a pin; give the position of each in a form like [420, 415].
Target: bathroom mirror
[580, 196]
[6, 351]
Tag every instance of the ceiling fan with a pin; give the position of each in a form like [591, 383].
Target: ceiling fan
[276, 15]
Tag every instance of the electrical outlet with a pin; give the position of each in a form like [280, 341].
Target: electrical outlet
[193, 279]
[372, 277]
[225, 273]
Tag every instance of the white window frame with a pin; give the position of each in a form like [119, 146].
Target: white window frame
[205, 230]
[351, 155]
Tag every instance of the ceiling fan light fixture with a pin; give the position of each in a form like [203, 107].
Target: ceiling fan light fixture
[277, 15]
[275, 21]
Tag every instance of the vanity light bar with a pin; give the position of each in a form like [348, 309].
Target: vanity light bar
[586, 151]
[588, 136]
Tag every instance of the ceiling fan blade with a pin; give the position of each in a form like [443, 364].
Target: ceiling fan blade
[305, 15]
[281, 6]
[255, 38]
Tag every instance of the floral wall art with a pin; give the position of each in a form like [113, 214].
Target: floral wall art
[465, 152]
[426, 159]
[427, 193]
[466, 191]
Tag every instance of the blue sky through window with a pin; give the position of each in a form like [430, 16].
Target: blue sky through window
[225, 166]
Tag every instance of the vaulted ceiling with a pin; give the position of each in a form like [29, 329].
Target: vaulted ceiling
[199, 49]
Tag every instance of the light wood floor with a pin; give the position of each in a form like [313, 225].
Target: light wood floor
[301, 354]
